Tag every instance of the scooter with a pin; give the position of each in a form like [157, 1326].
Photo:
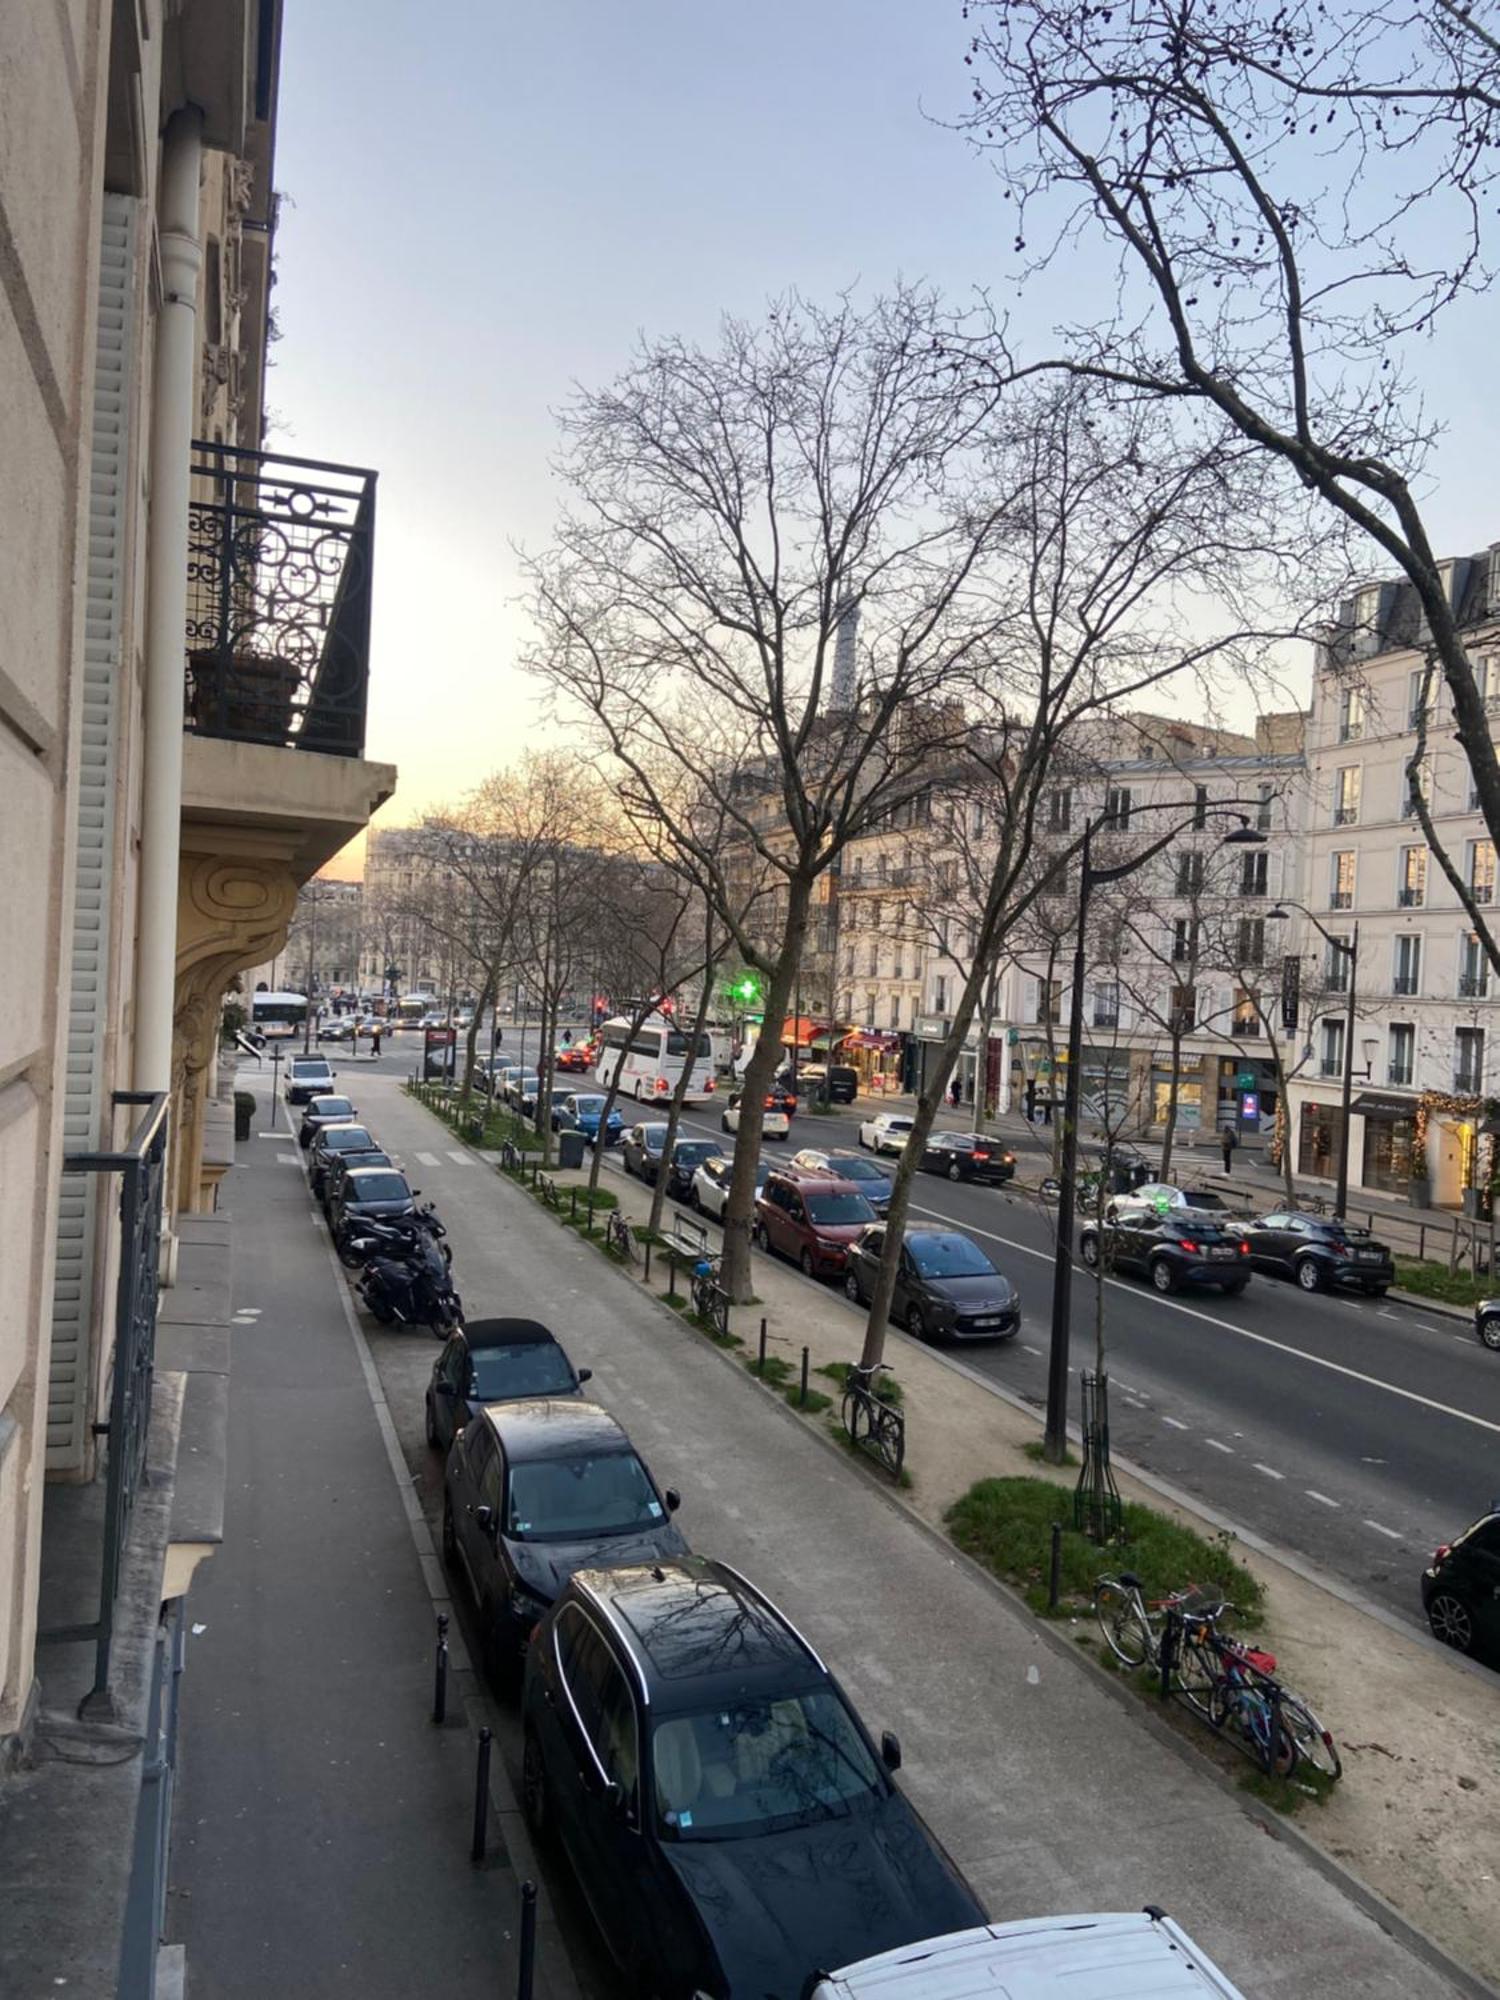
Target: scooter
[411, 1287]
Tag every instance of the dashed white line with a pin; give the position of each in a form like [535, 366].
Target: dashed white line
[1269, 1470]
[1135, 1402]
[1389, 1533]
[288, 1160]
[1029, 1350]
[1227, 1449]
[1321, 1498]
[1176, 1423]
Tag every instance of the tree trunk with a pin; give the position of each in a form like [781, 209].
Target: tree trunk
[756, 1081]
[1169, 1131]
[471, 1040]
[674, 1114]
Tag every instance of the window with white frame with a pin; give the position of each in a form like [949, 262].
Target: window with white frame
[1117, 808]
[1482, 870]
[1468, 1060]
[940, 993]
[1252, 941]
[1406, 969]
[1351, 714]
[1255, 872]
[1473, 968]
[1411, 878]
[1401, 1052]
[1184, 940]
[1200, 806]
[1419, 693]
[1346, 795]
[1265, 795]
[1191, 868]
[1416, 786]
[1336, 965]
[1059, 809]
[1106, 1012]
[1341, 880]
[1331, 1061]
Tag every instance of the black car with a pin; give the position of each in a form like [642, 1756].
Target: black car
[869, 1176]
[687, 1157]
[1174, 1250]
[343, 1164]
[946, 1287]
[308, 1077]
[534, 1491]
[329, 1140]
[321, 1111]
[838, 1084]
[1320, 1251]
[369, 1194]
[642, 1149]
[495, 1361]
[730, 1822]
[967, 1156]
[1461, 1589]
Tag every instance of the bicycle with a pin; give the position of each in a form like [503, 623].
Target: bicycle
[873, 1424]
[618, 1237]
[1124, 1618]
[1282, 1726]
[706, 1288]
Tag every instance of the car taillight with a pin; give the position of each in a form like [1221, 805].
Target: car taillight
[1339, 1249]
[1442, 1549]
[708, 1087]
[1187, 1243]
[662, 1086]
[980, 1156]
[1244, 1249]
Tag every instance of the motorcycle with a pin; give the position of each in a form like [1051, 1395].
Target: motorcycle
[356, 1241]
[410, 1287]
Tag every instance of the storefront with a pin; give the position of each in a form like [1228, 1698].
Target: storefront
[1319, 1135]
[1390, 1133]
[876, 1056]
[1189, 1090]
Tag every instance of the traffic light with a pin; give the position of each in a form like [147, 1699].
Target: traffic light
[745, 990]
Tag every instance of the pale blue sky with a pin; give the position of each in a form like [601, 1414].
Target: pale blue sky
[490, 199]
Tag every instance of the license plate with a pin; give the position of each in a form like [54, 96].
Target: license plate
[992, 1320]
[1370, 1256]
[1222, 1252]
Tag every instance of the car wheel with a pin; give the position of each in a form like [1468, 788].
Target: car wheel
[534, 1801]
[851, 1289]
[450, 1535]
[1088, 1249]
[809, 1268]
[1310, 1275]
[1451, 1621]
[955, 1172]
[432, 1431]
[1162, 1275]
[1489, 1331]
[916, 1326]
[760, 1239]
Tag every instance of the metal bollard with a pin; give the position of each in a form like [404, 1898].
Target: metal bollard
[1054, 1574]
[440, 1674]
[481, 1798]
[647, 1279]
[526, 1964]
[1171, 1633]
[671, 1271]
[802, 1392]
[572, 1204]
[763, 1344]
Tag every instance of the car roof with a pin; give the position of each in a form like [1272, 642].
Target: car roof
[699, 1633]
[554, 1427]
[507, 1333]
[358, 1174]
[330, 1097]
[309, 1062]
[337, 1125]
[813, 1180]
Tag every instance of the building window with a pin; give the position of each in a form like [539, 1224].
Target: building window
[1346, 795]
[1418, 697]
[1107, 1004]
[1183, 1014]
[1341, 880]
[1263, 808]
[1246, 1017]
[1468, 1060]
[1388, 1143]
[1336, 966]
[1332, 1060]
[1190, 868]
[1117, 808]
[1411, 888]
[1351, 715]
[1254, 872]
[1401, 1053]
[1059, 809]
[1252, 941]
[940, 993]
[1367, 616]
[1416, 788]
[1473, 968]
[1406, 978]
[895, 1010]
[1184, 940]
[1482, 870]
[1049, 1000]
[1200, 806]
[869, 1010]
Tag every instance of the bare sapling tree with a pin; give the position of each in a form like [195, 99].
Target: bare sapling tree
[1293, 198]
[691, 1025]
[765, 598]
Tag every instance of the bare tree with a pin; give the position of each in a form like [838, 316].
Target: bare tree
[1294, 195]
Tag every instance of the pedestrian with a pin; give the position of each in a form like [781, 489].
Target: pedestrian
[567, 1038]
[1031, 1100]
[375, 1041]
[1228, 1140]
[955, 1093]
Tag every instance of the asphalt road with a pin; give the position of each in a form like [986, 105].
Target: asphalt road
[1357, 1433]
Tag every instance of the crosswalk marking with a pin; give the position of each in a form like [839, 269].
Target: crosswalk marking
[428, 1159]
[460, 1159]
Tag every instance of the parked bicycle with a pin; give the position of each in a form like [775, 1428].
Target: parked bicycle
[619, 1237]
[873, 1424]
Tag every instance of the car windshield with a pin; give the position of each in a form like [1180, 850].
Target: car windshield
[898, 1124]
[379, 1187]
[522, 1368]
[689, 1152]
[858, 1168]
[949, 1257]
[331, 1107]
[833, 1210]
[309, 1066]
[570, 1499]
[347, 1139]
[587, 1107]
[654, 1137]
[729, 1773]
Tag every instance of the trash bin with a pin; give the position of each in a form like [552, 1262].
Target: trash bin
[244, 1113]
[571, 1147]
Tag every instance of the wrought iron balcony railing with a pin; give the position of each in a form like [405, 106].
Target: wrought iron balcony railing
[280, 558]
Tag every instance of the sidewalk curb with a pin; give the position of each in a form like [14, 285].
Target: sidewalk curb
[1424, 1304]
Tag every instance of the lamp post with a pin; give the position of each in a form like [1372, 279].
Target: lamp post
[1089, 878]
[1348, 949]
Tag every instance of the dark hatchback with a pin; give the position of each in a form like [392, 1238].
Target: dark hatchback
[730, 1822]
[642, 1149]
[1461, 1589]
[946, 1287]
[495, 1361]
[369, 1194]
[321, 1111]
[343, 1164]
[966, 1156]
[535, 1490]
[1320, 1252]
[687, 1157]
[333, 1139]
[1176, 1251]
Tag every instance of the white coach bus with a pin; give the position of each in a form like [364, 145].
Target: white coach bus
[651, 1059]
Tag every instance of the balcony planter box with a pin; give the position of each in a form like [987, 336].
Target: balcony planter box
[247, 697]
[1419, 1191]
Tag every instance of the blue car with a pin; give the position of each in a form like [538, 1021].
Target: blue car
[580, 1113]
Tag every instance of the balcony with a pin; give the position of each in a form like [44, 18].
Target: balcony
[1345, 815]
[1399, 1073]
[1245, 1024]
[1404, 986]
[1473, 985]
[1467, 1082]
[280, 559]
[1409, 899]
[1341, 899]
[1331, 1066]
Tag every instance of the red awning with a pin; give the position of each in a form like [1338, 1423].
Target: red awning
[868, 1038]
[801, 1030]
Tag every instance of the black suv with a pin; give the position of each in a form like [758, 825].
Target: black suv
[332, 1139]
[535, 1490]
[968, 1156]
[369, 1194]
[495, 1361]
[1184, 1247]
[1461, 1589]
[1319, 1251]
[729, 1820]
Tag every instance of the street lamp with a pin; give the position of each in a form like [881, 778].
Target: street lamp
[1244, 835]
[1349, 950]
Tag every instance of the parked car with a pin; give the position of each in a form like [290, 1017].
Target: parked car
[1173, 1250]
[369, 1194]
[885, 1132]
[1487, 1322]
[811, 1218]
[521, 1090]
[337, 1028]
[968, 1156]
[581, 1112]
[869, 1176]
[328, 1140]
[321, 1111]
[308, 1077]
[686, 1157]
[1319, 1251]
[840, 1085]
[642, 1151]
[947, 1288]
[1461, 1589]
[500, 1079]
[775, 1119]
[347, 1163]
[535, 1490]
[495, 1361]
[730, 1821]
[1160, 1195]
[710, 1189]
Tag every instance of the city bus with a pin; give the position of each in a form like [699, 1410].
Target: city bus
[650, 1061]
[278, 1016]
[413, 1009]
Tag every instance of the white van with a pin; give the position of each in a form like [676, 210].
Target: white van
[1144, 1956]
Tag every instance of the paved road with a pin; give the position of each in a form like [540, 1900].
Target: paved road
[1358, 1433]
[1049, 1795]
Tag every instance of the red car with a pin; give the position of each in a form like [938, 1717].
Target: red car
[578, 1057]
[811, 1218]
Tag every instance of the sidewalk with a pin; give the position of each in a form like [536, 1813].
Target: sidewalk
[322, 1824]
[1053, 1788]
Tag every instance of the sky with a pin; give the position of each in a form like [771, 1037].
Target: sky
[489, 201]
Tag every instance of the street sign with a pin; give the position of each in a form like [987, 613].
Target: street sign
[1246, 1080]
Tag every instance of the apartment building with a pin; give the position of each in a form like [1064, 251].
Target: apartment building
[181, 746]
[1425, 1068]
[889, 921]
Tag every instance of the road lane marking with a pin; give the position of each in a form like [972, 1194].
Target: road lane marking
[426, 1159]
[1389, 1532]
[1269, 1470]
[1321, 1498]
[1176, 1423]
[459, 1159]
[288, 1159]
[1227, 1449]
[1248, 1333]
[1029, 1350]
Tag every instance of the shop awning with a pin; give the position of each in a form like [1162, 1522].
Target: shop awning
[802, 1031]
[867, 1038]
[1383, 1104]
